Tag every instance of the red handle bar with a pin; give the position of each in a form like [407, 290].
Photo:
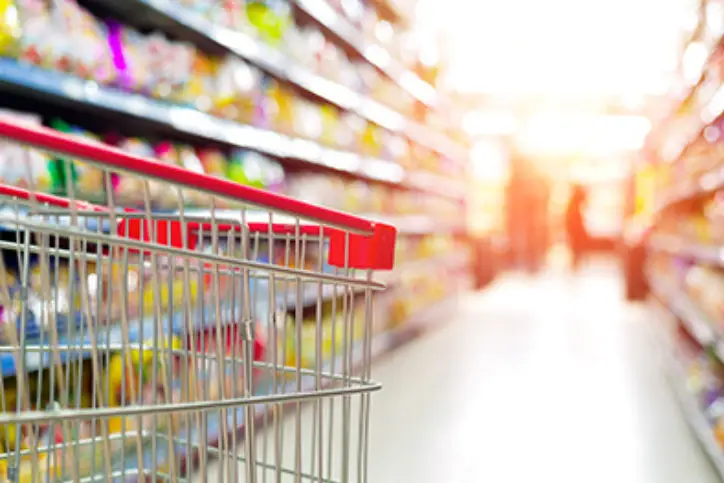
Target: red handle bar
[373, 249]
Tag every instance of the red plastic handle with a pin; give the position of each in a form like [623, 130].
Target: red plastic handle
[110, 157]
[374, 249]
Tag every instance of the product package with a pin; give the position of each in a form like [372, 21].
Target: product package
[26, 167]
[88, 181]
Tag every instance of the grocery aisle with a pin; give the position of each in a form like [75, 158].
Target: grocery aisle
[540, 378]
[550, 377]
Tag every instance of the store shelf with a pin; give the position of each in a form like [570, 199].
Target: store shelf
[79, 343]
[405, 224]
[325, 15]
[684, 310]
[713, 255]
[706, 184]
[390, 11]
[429, 265]
[679, 304]
[711, 105]
[693, 414]
[418, 224]
[168, 15]
[84, 95]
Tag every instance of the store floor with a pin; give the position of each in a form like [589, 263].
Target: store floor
[550, 377]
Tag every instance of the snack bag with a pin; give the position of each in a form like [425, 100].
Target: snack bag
[330, 123]
[308, 122]
[214, 162]
[129, 190]
[238, 89]
[139, 383]
[88, 53]
[270, 18]
[200, 87]
[163, 196]
[265, 114]
[129, 52]
[54, 294]
[38, 44]
[26, 167]
[190, 160]
[10, 30]
[257, 170]
[88, 181]
[181, 71]
[370, 142]
[230, 14]
[284, 102]
[171, 66]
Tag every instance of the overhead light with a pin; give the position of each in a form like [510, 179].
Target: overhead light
[489, 161]
[551, 133]
[489, 123]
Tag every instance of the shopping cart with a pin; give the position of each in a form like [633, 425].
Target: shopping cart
[138, 344]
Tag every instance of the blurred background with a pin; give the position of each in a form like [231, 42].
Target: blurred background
[552, 167]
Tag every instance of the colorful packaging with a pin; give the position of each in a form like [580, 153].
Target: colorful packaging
[237, 91]
[88, 52]
[266, 109]
[330, 122]
[38, 43]
[283, 108]
[129, 52]
[189, 159]
[201, 86]
[370, 142]
[230, 14]
[88, 181]
[129, 189]
[270, 18]
[232, 375]
[308, 122]
[138, 367]
[257, 170]
[214, 162]
[171, 65]
[10, 29]
[18, 162]
[164, 196]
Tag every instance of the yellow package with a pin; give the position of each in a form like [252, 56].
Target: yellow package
[10, 30]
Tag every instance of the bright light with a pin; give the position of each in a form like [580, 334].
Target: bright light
[562, 47]
[560, 134]
[693, 61]
[479, 123]
[489, 161]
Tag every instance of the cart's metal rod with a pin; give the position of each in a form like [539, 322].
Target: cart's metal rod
[207, 405]
[201, 256]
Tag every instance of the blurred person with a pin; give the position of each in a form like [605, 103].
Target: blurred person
[575, 224]
[541, 218]
[526, 203]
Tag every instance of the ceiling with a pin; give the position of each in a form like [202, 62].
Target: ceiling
[559, 48]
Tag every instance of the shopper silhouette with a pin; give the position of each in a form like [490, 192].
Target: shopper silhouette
[527, 215]
[575, 225]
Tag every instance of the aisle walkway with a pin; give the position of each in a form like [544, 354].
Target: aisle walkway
[546, 378]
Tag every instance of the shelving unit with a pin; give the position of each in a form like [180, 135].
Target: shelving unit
[679, 183]
[420, 188]
[694, 415]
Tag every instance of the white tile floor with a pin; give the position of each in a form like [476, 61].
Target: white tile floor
[538, 378]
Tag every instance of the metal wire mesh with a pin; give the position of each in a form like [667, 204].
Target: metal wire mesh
[150, 341]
